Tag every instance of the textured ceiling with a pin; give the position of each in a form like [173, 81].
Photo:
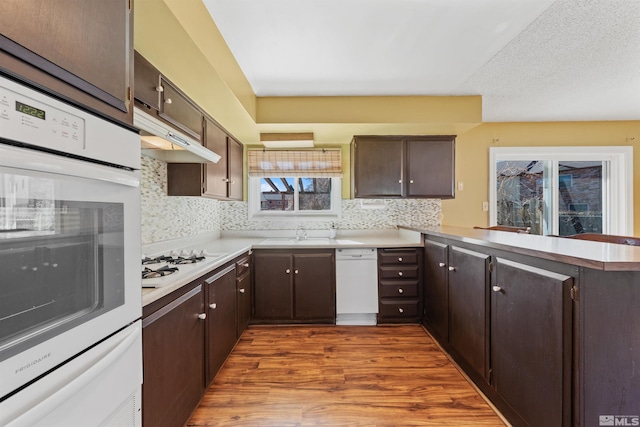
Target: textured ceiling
[531, 60]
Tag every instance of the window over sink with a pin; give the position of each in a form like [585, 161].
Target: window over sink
[288, 183]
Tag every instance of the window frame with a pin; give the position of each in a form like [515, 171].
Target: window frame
[617, 180]
[254, 194]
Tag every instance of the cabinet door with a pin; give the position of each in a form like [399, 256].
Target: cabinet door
[468, 293]
[377, 167]
[173, 357]
[436, 300]
[221, 315]
[243, 287]
[236, 170]
[530, 348]
[430, 171]
[215, 139]
[273, 286]
[314, 286]
[146, 82]
[179, 110]
[88, 45]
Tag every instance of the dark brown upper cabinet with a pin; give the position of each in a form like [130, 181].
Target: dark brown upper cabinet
[179, 110]
[82, 50]
[403, 166]
[146, 83]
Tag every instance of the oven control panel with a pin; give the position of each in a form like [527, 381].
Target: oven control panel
[30, 121]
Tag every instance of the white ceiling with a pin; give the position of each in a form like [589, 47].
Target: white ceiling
[531, 60]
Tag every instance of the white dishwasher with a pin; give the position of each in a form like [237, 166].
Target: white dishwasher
[356, 286]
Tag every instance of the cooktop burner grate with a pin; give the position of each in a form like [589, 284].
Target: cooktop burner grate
[148, 273]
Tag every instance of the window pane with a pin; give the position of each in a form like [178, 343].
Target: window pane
[315, 194]
[580, 197]
[520, 188]
[277, 194]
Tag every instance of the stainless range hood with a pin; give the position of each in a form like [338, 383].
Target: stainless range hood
[162, 142]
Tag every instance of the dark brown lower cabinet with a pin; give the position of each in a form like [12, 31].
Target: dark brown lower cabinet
[468, 273]
[243, 288]
[173, 360]
[530, 341]
[436, 293]
[221, 318]
[294, 287]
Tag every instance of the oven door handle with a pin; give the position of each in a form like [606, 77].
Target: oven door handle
[22, 158]
[57, 393]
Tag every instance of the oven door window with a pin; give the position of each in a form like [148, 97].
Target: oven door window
[61, 256]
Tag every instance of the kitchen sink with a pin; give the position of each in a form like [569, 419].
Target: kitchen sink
[292, 241]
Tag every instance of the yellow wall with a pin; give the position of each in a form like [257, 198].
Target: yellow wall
[472, 158]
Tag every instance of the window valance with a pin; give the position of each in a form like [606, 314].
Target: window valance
[323, 163]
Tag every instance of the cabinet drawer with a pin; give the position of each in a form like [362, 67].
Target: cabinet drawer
[399, 308]
[398, 258]
[394, 289]
[243, 266]
[399, 272]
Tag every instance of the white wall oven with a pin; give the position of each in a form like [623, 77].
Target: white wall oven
[70, 301]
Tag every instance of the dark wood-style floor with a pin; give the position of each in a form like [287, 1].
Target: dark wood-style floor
[340, 376]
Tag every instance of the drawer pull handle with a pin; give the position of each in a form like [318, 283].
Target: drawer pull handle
[497, 289]
[241, 290]
[441, 264]
[287, 271]
[400, 290]
[452, 268]
[399, 273]
[400, 259]
[401, 310]
[245, 265]
[202, 316]
[213, 306]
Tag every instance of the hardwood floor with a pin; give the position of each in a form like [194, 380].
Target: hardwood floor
[340, 376]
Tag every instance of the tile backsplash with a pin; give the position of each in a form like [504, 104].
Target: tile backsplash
[165, 218]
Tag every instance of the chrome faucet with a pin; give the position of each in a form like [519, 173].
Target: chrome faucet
[301, 233]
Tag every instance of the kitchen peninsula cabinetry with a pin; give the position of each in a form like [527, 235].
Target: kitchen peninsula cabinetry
[399, 285]
[403, 166]
[507, 321]
[294, 286]
[173, 357]
[80, 49]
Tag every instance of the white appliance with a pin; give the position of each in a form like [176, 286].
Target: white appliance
[356, 286]
[70, 301]
[167, 144]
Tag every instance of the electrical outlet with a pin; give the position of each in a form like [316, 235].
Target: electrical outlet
[460, 186]
[485, 206]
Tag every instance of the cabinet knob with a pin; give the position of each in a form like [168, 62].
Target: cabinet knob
[400, 290]
[225, 179]
[399, 181]
[245, 265]
[441, 264]
[497, 289]
[399, 259]
[401, 310]
[168, 101]
[410, 181]
[241, 290]
[399, 273]
[213, 306]
[287, 271]
[452, 268]
[295, 271]
[202, 316]
[159, 89]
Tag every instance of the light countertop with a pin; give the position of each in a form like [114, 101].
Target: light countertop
[231, 245]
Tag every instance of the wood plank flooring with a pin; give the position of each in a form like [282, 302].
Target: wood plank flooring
[340, 376]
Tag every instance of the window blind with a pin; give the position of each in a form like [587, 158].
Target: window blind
[324, 163]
